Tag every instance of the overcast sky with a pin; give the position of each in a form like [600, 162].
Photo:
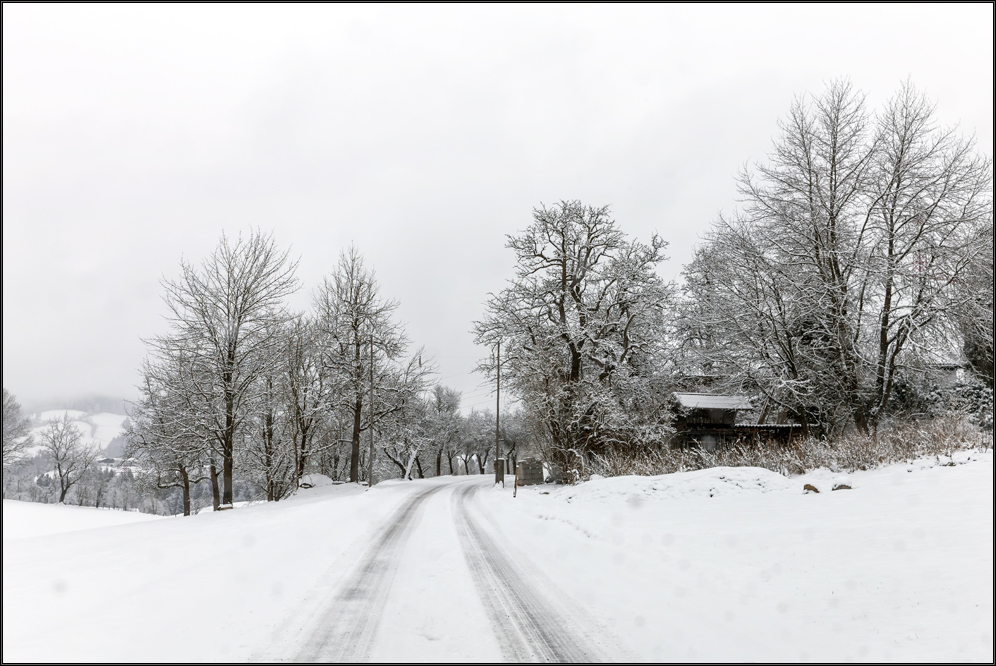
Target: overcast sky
[134, 136]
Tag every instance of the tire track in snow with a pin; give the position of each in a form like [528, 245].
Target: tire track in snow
[527, 627]
[346, 630]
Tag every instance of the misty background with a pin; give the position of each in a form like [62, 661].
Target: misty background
[134, 136]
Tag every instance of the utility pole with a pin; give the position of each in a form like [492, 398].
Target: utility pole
[499, 474]
[370, 471]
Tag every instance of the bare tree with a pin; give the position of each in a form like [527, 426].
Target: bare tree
[163, 434]
[480, 439]
[226, 316]
[514, 436]
[583, 330]
[474, 441]
[473, 431]
[444, 424]
[839, 274]
[356, 330]
[313, 427]
[15, 430]
[974, 308]
[63, 442]
[98, 484]
[267, 456]
[406, 417]
[406, 436]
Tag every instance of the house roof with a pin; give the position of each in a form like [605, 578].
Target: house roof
[710, 401]
[767, 426]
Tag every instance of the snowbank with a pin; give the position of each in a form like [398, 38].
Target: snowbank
[309, 481]
[713, 482]
[732, 481]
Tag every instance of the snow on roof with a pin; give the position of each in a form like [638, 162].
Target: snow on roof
[710, 401]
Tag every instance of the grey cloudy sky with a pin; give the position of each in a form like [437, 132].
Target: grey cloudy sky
[134, 136]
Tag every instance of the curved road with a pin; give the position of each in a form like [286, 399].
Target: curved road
[527, 625]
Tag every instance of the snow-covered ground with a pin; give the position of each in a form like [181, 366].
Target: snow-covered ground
[716, 565]
[739, 564]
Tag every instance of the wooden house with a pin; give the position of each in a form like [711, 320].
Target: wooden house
[710, 420]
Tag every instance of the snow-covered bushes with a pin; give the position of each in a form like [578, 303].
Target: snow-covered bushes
[899, 442]
[974, 397]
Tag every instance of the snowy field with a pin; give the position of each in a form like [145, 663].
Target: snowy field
[30, 519]
[728, 564]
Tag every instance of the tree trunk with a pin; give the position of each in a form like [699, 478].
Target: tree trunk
[764, 412]
[297, 462]
[268, 450]
[302, 459]
[215, 492]
[418, 466]
[227, 478]
[228, 441]
[861, 420]
[354, 454]
[185, 478]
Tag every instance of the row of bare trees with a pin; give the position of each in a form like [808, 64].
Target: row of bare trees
[434, 438]
[241, 386]
[860, 260]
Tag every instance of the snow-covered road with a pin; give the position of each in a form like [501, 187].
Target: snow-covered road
[717, 565]
[344, 630]
[525, 625]
[528, 626]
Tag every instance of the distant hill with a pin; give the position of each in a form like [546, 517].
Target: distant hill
[88, 403]
[103, 429]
